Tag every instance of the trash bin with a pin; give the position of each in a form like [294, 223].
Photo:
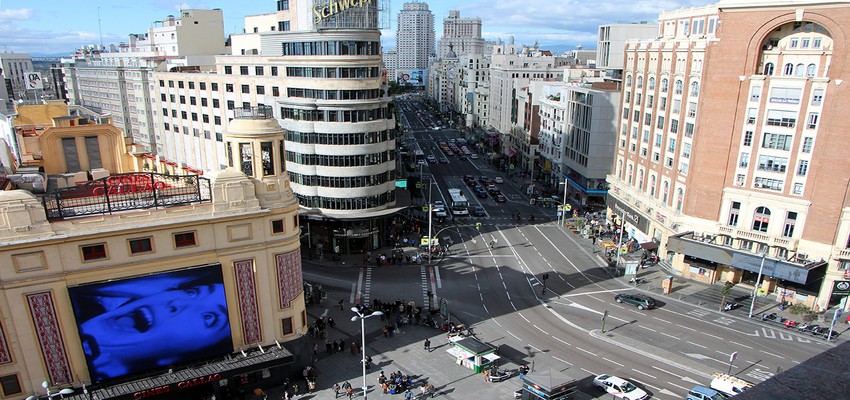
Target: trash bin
[667, 284]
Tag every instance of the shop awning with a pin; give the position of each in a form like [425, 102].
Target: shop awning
[802, 273]
[649, 246]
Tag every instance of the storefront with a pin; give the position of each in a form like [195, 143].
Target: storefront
[470, 353]
[637, 224]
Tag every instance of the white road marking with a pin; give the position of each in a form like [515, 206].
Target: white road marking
[496, 321]
[662, 320]
[740, 344]
[589, 372]
[666, 372]
[579, 348]
[649, 329]
[669, 335]
[485, 309]
[685, 327]
[539, 329]
[771, 354]
[680, 387]
[644, 373]
[696, 344]
[613, 362]
[523, 317]
[553, 337]
[517, 337]
[512, 305]
[714, 336]
[565, 362]
[595, 292]
[534, 348]
[504, 285]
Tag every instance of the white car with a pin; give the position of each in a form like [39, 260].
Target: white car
[438, 205]
[498, 179]
[619, 387]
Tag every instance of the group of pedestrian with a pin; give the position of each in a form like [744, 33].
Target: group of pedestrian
[398, 383]
[345, 389]
[318, 329]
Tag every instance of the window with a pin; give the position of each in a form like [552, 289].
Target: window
[652, 83]
[639, 82]
[816, 43]
[789, 69]
[790, 221]
[216, 103]
[275, 91]
[782, 118]
[812, 121]
[807, 145]
[184, 239]
[243, 70]
[10, 385]
[182, 99]
[734, 211]
[94, 252]
[694, 89]
[761, 218]
[660, 124]
[674, 126]
[228, 87]
[803, 167]
[277, 226]
[692, 109]
[180, 84]
[671, 145]
[793, 43]
[231, 104]
[274, 71]
[811, 70]
[214, 86]
[191, 85]
[284, 26]
[217, 120]
[679, 86]
[752, 114]
[141, 245]
[755, 95]
[287, 326]
[817, 97]
[203, 86]
[246, 89]
[748, 138]
[658, 140]
[228, 70]
[772, 164]
[768, 69]
[798, 71]
[775, 141]
[745, 160]
[258, 70]
[261, 89]
[664, 85]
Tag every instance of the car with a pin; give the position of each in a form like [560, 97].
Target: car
[431, 158]
[619, 387]
[422, 162]
[500, 198]
[478, 211]
[444, 160]
[440, 213]
[474, 156]
[481, 194]
[703, 393]
[472, 182]
[494, 191]
[467, 178]
[640, 301]
[499, 179]
[439, 204]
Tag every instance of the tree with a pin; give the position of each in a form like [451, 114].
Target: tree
[393, 88]
[727, 289]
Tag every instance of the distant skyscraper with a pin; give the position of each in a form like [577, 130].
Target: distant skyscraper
[462, 33]
[414, 36]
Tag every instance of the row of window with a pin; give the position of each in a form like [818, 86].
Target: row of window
[333, 72]
[180, 84]
[357, 203]
[298, 114]
[339, 139]
[665, 86]
[332, 48]
[363, 94]
[340, 161]
[761, 219]
[342, 181]
[94, 252]
[790, 69]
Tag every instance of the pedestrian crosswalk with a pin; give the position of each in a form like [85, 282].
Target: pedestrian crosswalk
[763, 332]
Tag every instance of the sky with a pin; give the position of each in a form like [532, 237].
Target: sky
[58, 27]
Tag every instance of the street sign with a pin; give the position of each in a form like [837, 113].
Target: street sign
[444, 309]
[733, 356]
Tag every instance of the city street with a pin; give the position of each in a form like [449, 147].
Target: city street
[493, 281]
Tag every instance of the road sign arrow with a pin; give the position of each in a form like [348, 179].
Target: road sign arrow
[689, 380]
[667, 392]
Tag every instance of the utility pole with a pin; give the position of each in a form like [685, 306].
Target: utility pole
[604, 315]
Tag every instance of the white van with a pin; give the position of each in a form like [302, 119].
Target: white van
[729, 385]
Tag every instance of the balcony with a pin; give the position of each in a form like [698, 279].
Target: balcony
[773, 241]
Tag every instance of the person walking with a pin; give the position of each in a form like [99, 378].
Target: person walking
[336, 390]
[428, 345]
[354, 348]
[486, 374]
[408, 395]
[432, 391]
[348, 389]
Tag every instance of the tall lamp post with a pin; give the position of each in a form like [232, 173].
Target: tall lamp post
[758, 284]
[46, 386]
[362, 319]
[564, 204]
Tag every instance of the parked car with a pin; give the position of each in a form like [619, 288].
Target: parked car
[444, 160]
[619, 387]
[704, 393]
[640, 301]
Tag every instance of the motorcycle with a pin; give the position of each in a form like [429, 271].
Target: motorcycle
[637, 281]
[770, 317]
[731, 305]
[804, 327]
[819, 330]
[497, 375]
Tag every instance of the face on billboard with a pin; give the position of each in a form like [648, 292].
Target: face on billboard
[154, 321]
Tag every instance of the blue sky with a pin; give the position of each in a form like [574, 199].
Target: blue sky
[59, 27]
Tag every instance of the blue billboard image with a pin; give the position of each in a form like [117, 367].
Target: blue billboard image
[147, 322]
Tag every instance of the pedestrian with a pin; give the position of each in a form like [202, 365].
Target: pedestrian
[329, 347]
[331, 322]
[340, 304]
[432, 391]
[336, 390]
[408, 395]
[368, 363]
[428, 345]
[594, 239]
[486, 374]
[354, 348]
[386, 330]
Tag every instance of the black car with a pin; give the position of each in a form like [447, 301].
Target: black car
[640, 301]
[467, 178]
[478, 211]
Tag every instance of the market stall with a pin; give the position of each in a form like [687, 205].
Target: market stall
[472, 353]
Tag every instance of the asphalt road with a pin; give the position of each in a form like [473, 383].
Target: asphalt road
[500, 292]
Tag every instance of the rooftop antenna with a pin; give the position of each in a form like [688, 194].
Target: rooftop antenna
[99, 29]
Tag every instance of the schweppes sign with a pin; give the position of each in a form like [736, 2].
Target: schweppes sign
[322, 11]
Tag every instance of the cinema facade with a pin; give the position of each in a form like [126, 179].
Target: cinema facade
[151, 282]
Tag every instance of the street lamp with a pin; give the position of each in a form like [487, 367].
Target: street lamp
[362, 319]
[46, 386]
[758, 284]
[564, 204]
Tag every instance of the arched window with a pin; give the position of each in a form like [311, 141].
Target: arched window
[620, 169]
[789, 69]
[640, 179]
[768, 69]
[664, 85]
[652, 186]
[695, 89]
[629, 80]
[631, 172]
[811, 70]
[798, 71]
[639, 82]
[680, 199]
[666, 191]
[679, 86]
[652, 83]
[760, 219]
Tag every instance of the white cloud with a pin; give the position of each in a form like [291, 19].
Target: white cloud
[16, 14]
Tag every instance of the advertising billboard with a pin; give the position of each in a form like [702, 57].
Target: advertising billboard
[34, 80]
[412, 77]
[153, 321]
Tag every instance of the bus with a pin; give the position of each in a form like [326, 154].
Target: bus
[419, 157]
[459, 204]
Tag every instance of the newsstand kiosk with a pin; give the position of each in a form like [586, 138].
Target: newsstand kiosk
[472, 354]
[547, 385]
